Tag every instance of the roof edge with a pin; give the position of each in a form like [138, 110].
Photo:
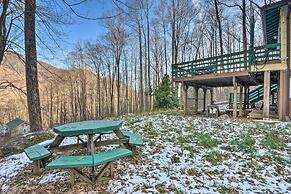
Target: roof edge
[274, 5]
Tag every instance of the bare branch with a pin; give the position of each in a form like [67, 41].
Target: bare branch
[89, 18]
[231, 6]
[6, 84]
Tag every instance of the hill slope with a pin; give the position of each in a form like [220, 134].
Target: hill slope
[66, 95]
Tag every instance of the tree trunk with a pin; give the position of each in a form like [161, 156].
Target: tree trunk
[173, 32]
[33, 100]
[148, 52]
[3, 31]
[140, 69]
[244, 27]
[219, 27]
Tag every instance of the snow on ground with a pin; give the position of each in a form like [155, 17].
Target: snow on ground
[12, 165]
[206, 155]
[51, 177]
[191, 155]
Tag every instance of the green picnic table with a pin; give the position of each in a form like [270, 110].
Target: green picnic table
[89, 128]
[126, 139]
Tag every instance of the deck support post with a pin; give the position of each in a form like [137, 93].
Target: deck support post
[196, 89]
[245, 97]
[283, 96]
[204, 99]
[211, 96]
[248, 97]
[266, 108]
[284, 86]
[234, 98]
[241, 101]
[185, 89]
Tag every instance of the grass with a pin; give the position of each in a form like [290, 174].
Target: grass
[163, 112]
[276, 157]
[152, 133]
[273, 141]
[214, 157]
[41, 138]
[190, 129]
[192, 172]
[254, 165]
[184, 139]
[224, 189]
[245, 143]
[191, 149]
[205, 140]
[152, 143]
[131, 122]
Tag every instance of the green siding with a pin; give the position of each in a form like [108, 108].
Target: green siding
[272, 25]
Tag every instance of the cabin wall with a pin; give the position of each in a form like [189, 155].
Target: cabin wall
[21, 129]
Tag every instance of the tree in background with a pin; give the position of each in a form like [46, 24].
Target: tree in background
[165, 97]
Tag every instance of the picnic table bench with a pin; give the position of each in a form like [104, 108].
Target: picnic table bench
[76, 162]
[38, 154]
[134, 138]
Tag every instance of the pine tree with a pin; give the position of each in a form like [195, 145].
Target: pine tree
[165, 96]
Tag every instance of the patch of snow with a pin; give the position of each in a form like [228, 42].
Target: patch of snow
[52, 177]
[10, 167]
[69, 141]
[46, 142]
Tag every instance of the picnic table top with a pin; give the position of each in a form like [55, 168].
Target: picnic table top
[87, 127]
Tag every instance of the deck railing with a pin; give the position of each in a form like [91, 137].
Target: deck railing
[232, 62]
[255, 95]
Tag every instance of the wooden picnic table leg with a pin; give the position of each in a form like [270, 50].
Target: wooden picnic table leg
[111, 170]
[120, 135]
[72, 178]
[57, 141]
[88, 143]
[91, 137]
[36, 167]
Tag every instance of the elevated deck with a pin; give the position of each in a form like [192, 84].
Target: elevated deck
[219, 71]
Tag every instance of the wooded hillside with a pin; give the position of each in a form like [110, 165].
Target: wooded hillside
[66, 94]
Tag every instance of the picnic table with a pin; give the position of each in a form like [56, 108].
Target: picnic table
[88, 128]
[126, 139]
